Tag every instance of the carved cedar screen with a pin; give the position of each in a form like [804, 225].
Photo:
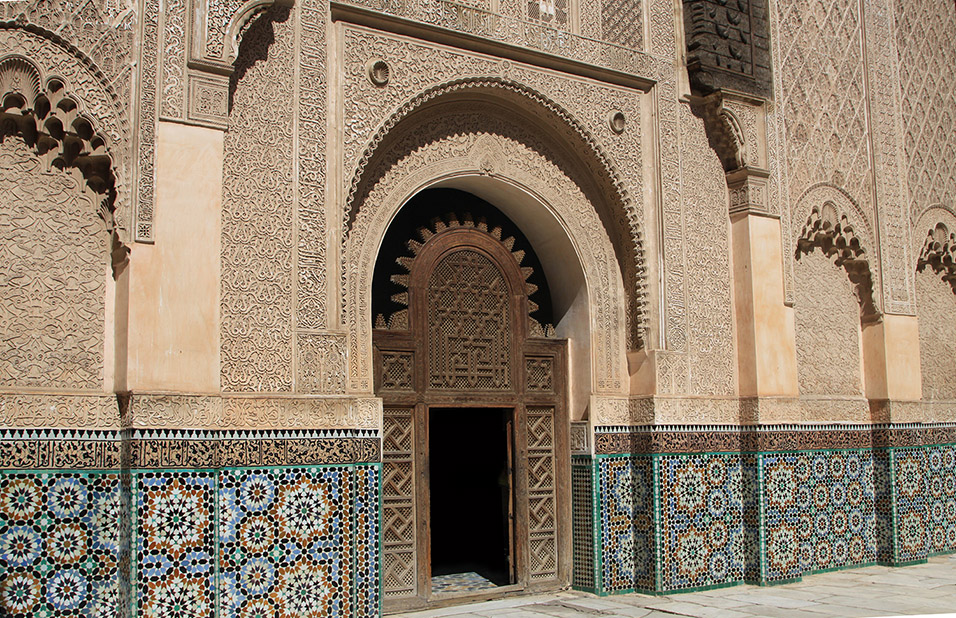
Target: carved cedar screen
[460, 334]
[470, 343]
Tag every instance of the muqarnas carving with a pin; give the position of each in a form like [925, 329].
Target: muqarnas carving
[831, 231]
[728, 46]
[51, 122]
[939, 252]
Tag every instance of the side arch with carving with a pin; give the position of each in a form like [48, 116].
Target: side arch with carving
[937, 247]
[217, 28]
[53, 123]
[934, 244]
[829, 212]
[454, 147]
[620, 216]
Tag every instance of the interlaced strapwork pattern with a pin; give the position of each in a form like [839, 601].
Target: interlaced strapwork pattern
[398, 509]
[470, 342]
[542, 529]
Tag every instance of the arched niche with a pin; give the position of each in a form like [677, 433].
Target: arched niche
[549, 130]
[934, 238]
[460, 150]
[834, 300]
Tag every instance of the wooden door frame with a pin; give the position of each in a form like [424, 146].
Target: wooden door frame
[420, 399]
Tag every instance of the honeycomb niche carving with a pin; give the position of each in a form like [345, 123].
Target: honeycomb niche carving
[939, 253]
[52, 124]
[830, 231]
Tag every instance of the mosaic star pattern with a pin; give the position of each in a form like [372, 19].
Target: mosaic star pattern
[175, 541]
[283, 547]
[941, 498]
[909, 481]
[58, 544]
[820, 511]
[627, 523]
[701, 520]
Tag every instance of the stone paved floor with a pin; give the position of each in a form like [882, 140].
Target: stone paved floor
[926, 589]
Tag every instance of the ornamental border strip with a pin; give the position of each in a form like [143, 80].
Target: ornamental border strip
[611, 440]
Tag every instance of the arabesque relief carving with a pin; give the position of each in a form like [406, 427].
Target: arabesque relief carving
[53, 271]
[256, 292]
[936, 309]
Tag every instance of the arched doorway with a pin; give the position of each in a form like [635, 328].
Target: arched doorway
[475, 429]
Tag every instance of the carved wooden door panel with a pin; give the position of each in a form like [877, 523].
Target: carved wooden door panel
[463, 342]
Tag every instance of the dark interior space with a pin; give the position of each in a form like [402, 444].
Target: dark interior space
[468, 449]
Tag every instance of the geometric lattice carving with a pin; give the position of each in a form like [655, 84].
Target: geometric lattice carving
[50, 121]
[622, 23]
[539, 372]
[397, 371]
[551, 12]
[542, 528]
[468, 321]
[939, 252]
[399, 554]
[828, 229]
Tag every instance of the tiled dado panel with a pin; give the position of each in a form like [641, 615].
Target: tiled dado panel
[801, 501]
[820, 512]
[283, 542]
[701, 520]
[628, 553]
[941, 498]
[59, 544]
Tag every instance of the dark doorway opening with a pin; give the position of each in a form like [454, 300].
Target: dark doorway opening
[471, 494]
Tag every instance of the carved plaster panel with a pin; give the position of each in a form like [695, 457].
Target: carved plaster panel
[312, 266]
[444, 148]
[888, 156]
[523, 25]
[257, 215]
[822, 106]
[53, 270]
[925, 30]
[827, 317]
[227, 413]
[146, 124]
[93, 96]
[711, 364]
[936, 304]
[321, 363]
[22, 410]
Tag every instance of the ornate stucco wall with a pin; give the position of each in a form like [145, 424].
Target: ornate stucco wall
[754, 269]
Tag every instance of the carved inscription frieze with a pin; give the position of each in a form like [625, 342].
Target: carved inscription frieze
[22, 410]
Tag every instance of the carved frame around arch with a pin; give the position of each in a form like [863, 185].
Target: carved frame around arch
[477, 156]
[619, 214]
